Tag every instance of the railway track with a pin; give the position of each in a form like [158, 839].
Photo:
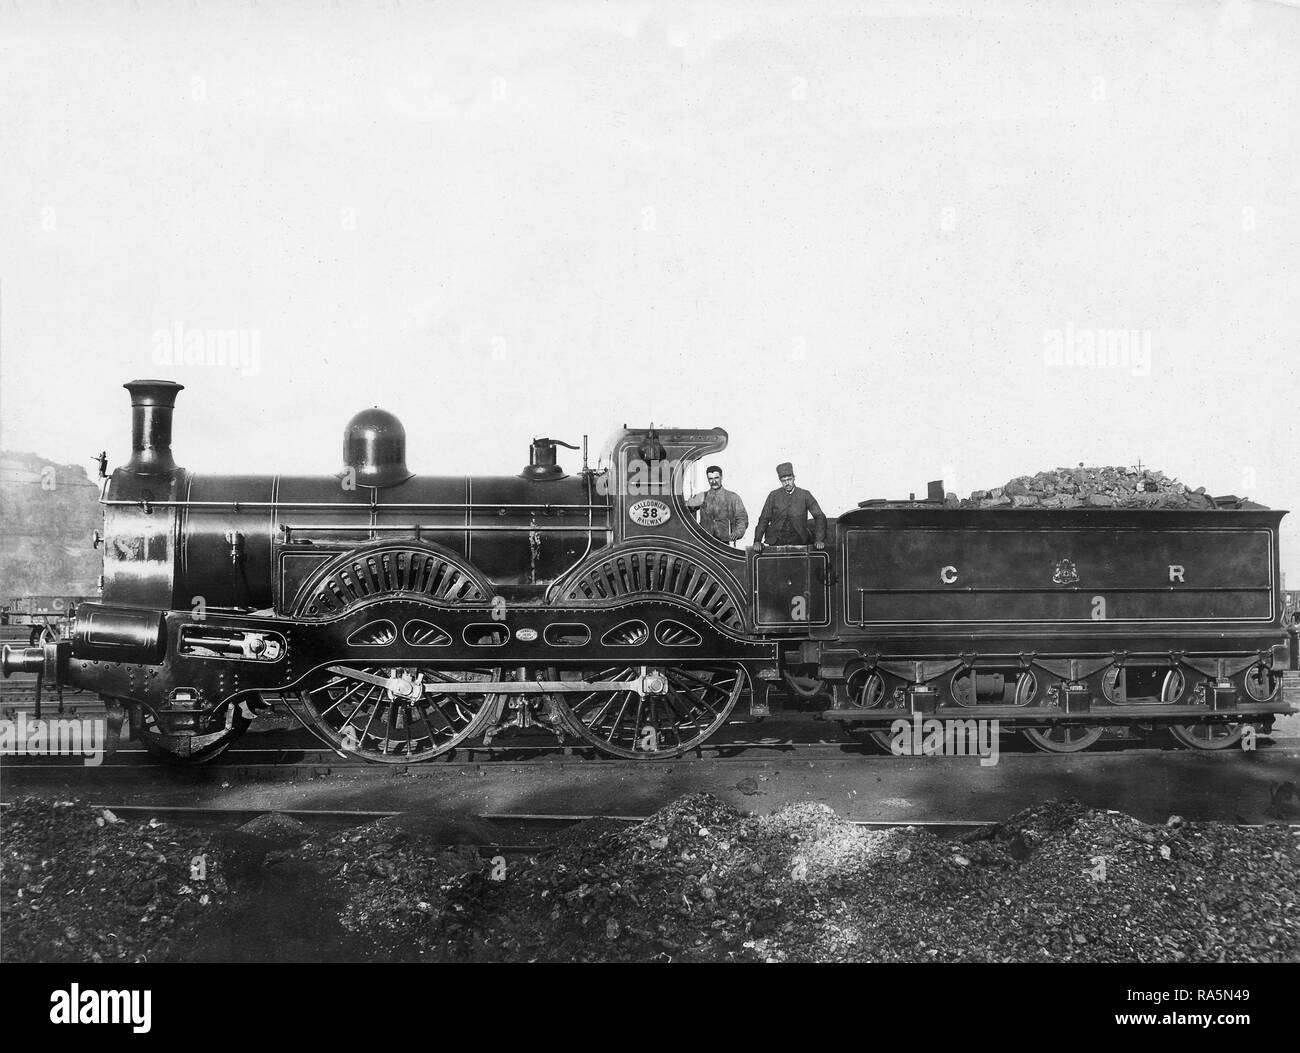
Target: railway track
[521, 833]
[1149, 783]
[515, 834]
[290, 757]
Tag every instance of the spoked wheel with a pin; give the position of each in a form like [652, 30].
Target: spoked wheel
[1063, 738]
[1260, 683]
[869, 690]
[1029, 689]
[692, 702]
[226, 726]
[1177, 688]
[382, 713]
[1207, 736]
[1060, 738]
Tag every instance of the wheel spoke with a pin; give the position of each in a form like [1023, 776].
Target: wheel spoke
[627, 700]
[672, 702]
[636, 721]
[698, 696]
[344, 697]
[595, 721]
[682, 674]
[436, 712]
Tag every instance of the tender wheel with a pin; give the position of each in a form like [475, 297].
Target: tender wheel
[226, 726]
[870, 690]
[695, 701]
[1029, 689]
[1260, 683]
[1177, 688]
[1060, 738]
[962, 688]
[396, 722]
[1207, 736]
[1063, 738]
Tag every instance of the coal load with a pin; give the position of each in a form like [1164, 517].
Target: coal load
[1105, 487]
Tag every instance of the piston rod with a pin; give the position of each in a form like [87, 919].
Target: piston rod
[648, 683]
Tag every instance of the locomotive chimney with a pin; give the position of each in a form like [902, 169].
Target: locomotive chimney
[152, 402]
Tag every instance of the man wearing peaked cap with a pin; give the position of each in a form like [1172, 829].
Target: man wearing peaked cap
[784, 519]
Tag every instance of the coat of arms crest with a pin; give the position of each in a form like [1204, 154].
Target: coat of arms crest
[1066, 574]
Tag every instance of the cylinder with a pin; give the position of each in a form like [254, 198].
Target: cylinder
[118, 634]
[152, 403]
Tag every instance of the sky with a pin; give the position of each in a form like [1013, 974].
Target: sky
[883, 241]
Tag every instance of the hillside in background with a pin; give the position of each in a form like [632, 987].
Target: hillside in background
[48, 512]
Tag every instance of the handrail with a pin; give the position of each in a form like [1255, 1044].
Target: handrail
[357, 506]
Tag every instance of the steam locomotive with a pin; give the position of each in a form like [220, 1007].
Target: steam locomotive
[400, 615]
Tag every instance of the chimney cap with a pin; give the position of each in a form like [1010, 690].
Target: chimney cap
[153, 392]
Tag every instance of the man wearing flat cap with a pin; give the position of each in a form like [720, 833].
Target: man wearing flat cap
[784, 519]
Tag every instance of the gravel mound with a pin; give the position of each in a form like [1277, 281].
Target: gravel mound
[78, 884]
[275, 826]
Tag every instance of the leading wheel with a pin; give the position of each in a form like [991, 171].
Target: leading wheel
[383, 713]
[227, 724]
[687, 705]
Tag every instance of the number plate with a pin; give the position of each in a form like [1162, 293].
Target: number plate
[649, 513]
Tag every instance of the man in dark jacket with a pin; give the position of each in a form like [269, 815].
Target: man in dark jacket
[722, 513]
[784, 520]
